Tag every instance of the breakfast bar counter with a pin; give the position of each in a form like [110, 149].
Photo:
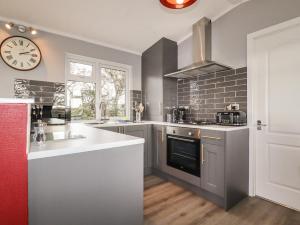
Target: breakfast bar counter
[94, 179]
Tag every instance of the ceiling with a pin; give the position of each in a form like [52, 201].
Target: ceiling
[130, 25]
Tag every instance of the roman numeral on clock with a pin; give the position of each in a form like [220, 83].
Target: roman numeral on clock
[15, 62]
[21, 42]
[32, 60]
[9, 57]
[8, 52]
[15, 43]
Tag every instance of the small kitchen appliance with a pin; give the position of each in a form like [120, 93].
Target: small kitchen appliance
[231, 118]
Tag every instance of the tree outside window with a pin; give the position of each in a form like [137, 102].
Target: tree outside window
[113, 92]
[81, 97]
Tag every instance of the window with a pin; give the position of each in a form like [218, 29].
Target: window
[90, 82]
[113, 92]
[81, 98]
[79, 69]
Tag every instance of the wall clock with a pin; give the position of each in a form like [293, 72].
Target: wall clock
[20, 53]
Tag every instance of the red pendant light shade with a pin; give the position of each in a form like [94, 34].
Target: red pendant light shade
[177, 4]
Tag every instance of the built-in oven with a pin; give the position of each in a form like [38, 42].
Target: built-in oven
[183, 149]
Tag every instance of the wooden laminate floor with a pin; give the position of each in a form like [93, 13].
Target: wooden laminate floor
[166, 203]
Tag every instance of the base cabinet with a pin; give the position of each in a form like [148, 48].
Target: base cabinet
[159, 146]
[113, 129]
[142, 131]
[212, 168]
[224, 162]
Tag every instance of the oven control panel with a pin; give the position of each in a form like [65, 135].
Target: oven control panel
[184, 132]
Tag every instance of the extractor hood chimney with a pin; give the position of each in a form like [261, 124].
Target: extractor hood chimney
[202, 63]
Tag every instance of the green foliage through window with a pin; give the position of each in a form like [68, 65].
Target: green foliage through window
[81, 97]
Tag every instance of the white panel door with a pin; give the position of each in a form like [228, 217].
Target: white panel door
[276, 102]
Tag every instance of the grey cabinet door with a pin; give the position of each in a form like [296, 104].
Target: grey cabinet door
[159, 146]
[113, 129]
[157, 60]
[212, 168]
[142, 132]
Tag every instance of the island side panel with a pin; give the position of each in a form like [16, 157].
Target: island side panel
[98, 187]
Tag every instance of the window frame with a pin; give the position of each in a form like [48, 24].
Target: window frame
[97, 64]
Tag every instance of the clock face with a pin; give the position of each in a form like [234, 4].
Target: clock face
[20, 53]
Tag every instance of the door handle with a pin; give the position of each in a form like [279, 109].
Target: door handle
[211, 137]
[182, 139]
[260, 125]
[202, 154]
[163, 135]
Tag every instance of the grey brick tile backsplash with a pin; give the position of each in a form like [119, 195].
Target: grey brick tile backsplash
[43, 92]
[210, 93]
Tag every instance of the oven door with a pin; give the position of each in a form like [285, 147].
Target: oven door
[184, 154]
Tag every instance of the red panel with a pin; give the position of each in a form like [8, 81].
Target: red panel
[13, 165]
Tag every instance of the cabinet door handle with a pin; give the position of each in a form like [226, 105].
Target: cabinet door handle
[162, 135]
[202, 154]
[211, 137]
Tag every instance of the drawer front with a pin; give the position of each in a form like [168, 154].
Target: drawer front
[213, 137]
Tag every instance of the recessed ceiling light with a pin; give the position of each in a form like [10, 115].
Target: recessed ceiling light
[177, 4]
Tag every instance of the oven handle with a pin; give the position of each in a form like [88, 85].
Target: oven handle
[182, 139]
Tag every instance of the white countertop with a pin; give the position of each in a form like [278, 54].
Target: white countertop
[95, 139]
[207, 127]
[16, 101]
[98, 139]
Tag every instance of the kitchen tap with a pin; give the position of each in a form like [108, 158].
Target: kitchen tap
[102, 110]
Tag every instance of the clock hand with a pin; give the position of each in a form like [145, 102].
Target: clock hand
[23, 53]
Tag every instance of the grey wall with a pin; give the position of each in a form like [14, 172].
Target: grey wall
[52, 67]
[229, 42]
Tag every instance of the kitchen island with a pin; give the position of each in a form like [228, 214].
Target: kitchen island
[95, 179]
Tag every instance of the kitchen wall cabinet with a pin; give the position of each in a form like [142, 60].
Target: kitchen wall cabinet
[159, 92]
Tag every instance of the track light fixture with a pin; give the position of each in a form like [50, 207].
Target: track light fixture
[21, 28]
[9, 26]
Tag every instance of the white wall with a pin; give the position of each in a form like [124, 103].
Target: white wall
[52, 67]
[229, 32]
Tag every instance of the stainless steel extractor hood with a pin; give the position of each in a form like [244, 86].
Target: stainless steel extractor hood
[202, 63]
